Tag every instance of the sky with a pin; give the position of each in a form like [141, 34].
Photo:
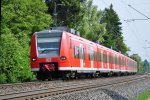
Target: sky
[136, 33]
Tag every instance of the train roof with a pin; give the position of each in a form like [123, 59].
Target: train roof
[48, 31]
[76, 36]
[98, 45]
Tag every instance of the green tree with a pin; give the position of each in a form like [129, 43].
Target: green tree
[90, 26]
[113, 37]
[146, 66]
[19, 19]
[67, 11]
[80, 15]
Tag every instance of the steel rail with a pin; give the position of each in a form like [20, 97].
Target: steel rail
[52, 82]
[37, 94]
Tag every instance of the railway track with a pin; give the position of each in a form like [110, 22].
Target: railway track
[41, 93]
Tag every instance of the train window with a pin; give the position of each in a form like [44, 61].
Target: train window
[114, 59]
[108, 57]
[76, 52]
[129, 64]
[48, 46]
[95, 58]
[99, 56]
[105, 58]
[119, 61]
[81, 53]
[91, 55]
[70, 43]
[122, 61]
[102, 57]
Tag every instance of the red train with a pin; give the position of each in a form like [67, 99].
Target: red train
[58, 53]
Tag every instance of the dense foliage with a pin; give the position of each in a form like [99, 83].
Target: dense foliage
[90, 26]
[80, 15]
[113, 37]
[21, 18]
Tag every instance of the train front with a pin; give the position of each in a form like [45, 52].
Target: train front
[44, 53]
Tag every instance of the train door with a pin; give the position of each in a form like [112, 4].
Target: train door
[81, 54]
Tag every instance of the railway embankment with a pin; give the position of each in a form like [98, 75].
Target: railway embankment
[127, 91]
[111, 88]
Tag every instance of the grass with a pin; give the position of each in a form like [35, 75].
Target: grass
[144, 95]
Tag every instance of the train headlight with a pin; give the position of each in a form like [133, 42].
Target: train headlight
[33, 59]
[63, 57]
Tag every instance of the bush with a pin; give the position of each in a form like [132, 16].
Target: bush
[19, 18]
[2, 78]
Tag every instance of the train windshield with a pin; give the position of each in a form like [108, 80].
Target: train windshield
[48, 44]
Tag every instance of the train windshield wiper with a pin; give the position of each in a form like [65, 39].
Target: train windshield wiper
[49, 49]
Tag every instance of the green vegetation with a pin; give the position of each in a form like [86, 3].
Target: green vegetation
[21, 18]
[142, 66]
[82, 16]
[144, 95]
[113, 37]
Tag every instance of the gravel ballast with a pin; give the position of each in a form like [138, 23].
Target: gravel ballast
[126, 91]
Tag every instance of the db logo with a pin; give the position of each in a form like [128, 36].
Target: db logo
[48, 59]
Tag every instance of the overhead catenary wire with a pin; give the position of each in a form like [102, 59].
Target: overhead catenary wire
[134, 29]
[146, 17]
[139, 12]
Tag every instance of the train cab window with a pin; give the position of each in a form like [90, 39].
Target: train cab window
[48, 44]
[76, 52]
